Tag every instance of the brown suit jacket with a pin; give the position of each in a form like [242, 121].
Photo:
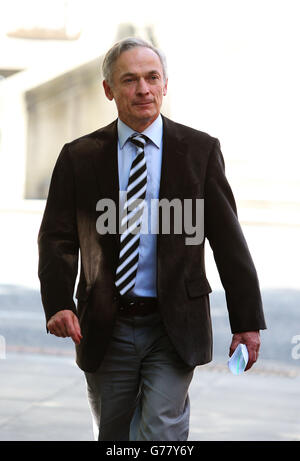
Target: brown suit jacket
[192, 167]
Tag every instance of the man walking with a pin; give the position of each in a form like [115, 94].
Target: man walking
[142, 321]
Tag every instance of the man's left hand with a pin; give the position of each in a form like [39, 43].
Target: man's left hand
[252, 340]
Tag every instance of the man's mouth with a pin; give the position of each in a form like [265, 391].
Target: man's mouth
[144, 103]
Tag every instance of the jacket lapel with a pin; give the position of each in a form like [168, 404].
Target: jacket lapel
[106, 163]
[172, 186]
[173, 169]
[105, 160]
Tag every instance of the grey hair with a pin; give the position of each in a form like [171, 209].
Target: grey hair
[123, 45]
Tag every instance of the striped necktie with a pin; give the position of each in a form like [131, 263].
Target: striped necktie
[132, 218]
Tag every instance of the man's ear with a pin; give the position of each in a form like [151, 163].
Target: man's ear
[165, 87]
[108, 90]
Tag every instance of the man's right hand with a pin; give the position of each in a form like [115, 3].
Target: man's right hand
[65, 324]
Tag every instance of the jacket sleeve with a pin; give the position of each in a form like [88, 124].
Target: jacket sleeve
[58, 240]
[234, 262]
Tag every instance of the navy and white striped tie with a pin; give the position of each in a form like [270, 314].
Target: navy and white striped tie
[132, 219]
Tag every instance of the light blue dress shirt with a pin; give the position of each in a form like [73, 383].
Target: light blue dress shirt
[145, 284]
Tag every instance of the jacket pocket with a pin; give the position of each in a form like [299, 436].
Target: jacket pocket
[198, 287]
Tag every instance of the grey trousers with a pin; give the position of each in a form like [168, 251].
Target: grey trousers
[140, 391]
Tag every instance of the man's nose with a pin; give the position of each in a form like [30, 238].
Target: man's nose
[142, 86]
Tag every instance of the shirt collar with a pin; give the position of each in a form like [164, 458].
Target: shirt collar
[153, 132]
